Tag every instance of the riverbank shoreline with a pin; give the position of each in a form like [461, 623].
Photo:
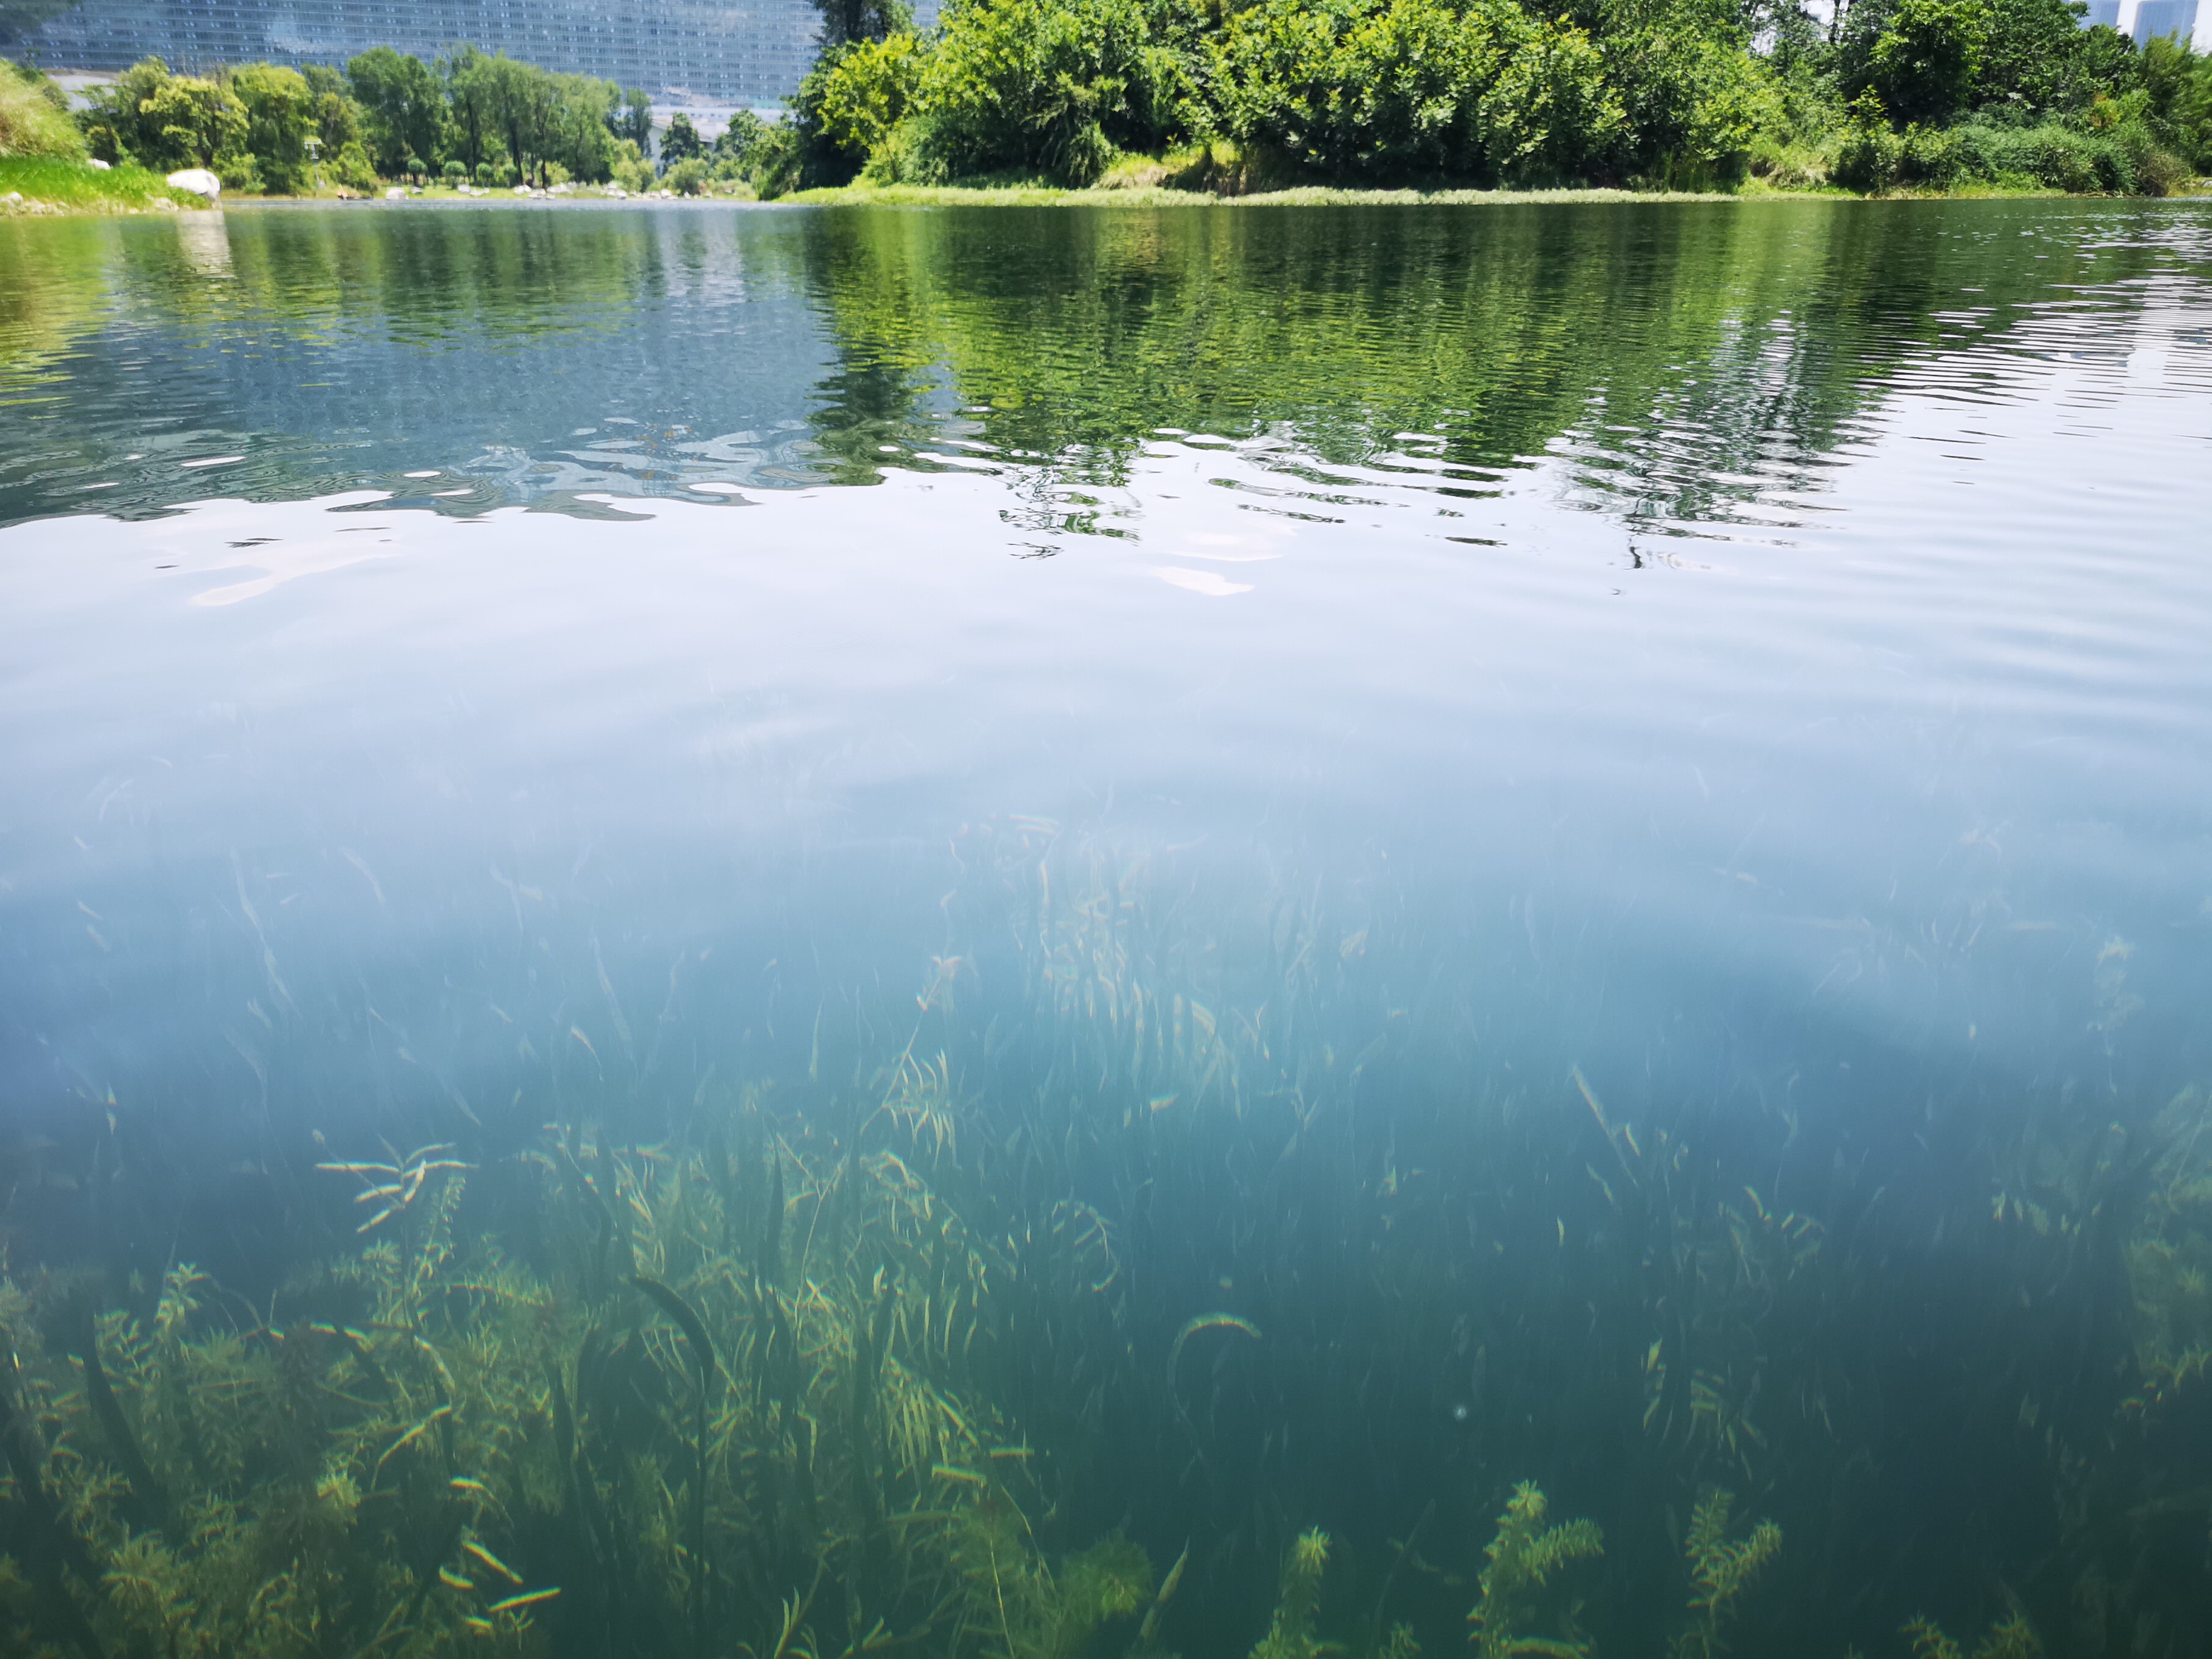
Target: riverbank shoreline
[34, 186]
[45, 188]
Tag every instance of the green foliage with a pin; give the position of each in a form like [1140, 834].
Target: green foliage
[1927, 63]
[631, 117]
[688, 178]
[496, 108]
[351, 167]
[1041, 87]
[2010, 1637]
[1291, 1635]
[1552, 116]
[628, 167]
[282, 114]
[1382, 91]
[861, 92]
[34, 116]
[1720, 1571]
[404, 107]
[1694, 100]
[682, 141]
[165, 122]
[847, 22]
[1520, 1562]
[66, 181]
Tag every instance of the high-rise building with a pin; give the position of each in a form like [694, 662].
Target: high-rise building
[2147, 20]
[739, 52]
[2156, 17]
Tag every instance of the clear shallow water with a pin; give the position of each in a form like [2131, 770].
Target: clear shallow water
[1749, 659]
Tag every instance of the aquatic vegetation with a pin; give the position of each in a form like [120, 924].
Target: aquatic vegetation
[2009, 1639]
[1292, 1634]
[1721, 1570]
[942, 1354]
[1522, 1559]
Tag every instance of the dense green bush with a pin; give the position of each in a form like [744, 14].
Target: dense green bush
[1051, 87]
[1685, 94]
[1927, 62]
[1388, 91]
[163, 121]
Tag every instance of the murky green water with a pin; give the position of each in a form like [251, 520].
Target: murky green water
[1022, 878]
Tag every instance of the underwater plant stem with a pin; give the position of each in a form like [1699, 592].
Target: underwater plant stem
[706, 1362]
[1390, 1579]
[20, 1451]
[153, 1497]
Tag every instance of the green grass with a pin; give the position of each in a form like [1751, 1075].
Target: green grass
[79, 187]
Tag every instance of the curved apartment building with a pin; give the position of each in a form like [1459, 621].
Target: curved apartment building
[740, 52]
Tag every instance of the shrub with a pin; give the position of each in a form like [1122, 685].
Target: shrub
[687, 177]
[1694, 102]
[1550, 115]
[350, 168]
[486, 173]
[1052, 87]
[34, 116]
[240, 173]
[455, 173]
[1389, 91]
[1870, 154]
[629, 169]
[905, 156]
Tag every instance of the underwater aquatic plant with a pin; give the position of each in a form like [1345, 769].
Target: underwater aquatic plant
[1721, 1570]
[2010, 1637]
[1292, 1634]
[1520, 1561]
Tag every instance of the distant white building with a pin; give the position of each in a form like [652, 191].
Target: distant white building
[681, 52]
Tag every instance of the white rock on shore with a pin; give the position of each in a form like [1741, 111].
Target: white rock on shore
[199, 181]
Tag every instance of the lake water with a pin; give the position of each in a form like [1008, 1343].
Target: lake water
[1293, 863]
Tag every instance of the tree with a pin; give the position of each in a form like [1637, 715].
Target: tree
[682, 141]
[631, 118]
[281, 116]
[845, 23]
[163, 121]
[403, 105]
[740, 138]
[1928, 58]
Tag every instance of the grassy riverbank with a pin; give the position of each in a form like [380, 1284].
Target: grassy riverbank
[864, 195]
[47, 185]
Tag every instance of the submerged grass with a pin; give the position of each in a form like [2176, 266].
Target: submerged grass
[944, 1358]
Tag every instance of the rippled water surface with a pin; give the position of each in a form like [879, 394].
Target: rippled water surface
[1741, 670]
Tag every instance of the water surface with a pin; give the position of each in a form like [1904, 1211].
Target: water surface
[1736, 672]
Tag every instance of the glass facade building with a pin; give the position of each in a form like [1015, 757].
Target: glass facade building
[741, 52]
